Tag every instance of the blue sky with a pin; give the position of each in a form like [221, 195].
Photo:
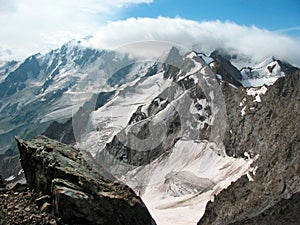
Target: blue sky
[268, 14]
[31, 26]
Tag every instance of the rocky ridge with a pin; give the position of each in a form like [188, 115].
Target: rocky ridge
[269, 131]
[79, 194]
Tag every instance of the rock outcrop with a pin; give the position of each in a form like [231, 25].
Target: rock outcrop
[80, 195]
[224, 67]
[269, 130]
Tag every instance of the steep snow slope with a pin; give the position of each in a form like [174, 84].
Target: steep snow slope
[181, 184]
[114, 116]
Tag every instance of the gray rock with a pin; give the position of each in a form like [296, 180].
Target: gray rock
[286, 211]
[80, 195]
[271, 131]
[224, 67]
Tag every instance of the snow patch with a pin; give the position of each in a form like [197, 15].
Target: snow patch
[10, 178]
[205, 58]
[20, 172]
[243, 102]
[243, 111]
[219, 76]
[258, 82]
[191, 55]
[250, 178]
[257, 92]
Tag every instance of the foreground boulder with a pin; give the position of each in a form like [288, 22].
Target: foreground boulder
[80, 195]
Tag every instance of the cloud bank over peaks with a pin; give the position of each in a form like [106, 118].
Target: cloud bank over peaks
[31, 26]
[201, 36]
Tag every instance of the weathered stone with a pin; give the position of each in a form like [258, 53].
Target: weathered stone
[272, 133]
[80, 195]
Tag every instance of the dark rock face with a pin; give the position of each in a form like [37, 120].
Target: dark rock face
[1, 181]
[10, 166]
[62, 132]
[15, 80]
[224, 67]
[286, 211]
[80, 195]
[271, 131]
[287, 68]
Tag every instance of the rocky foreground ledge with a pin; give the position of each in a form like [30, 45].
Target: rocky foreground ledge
[78, 193]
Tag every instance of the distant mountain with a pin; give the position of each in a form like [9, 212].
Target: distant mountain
[46, 88]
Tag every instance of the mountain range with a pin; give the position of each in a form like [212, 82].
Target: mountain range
[181, 129]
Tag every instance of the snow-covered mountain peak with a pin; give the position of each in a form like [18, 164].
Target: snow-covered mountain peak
[57, 83]
[66, 77]
[266, 72]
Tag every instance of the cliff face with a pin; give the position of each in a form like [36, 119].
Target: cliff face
[80, 195]
[270, 131]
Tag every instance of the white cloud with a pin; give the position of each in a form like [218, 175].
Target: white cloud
[251, 41]
[31, 26]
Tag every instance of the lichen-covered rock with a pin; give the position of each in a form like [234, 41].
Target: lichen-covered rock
[80, 195]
